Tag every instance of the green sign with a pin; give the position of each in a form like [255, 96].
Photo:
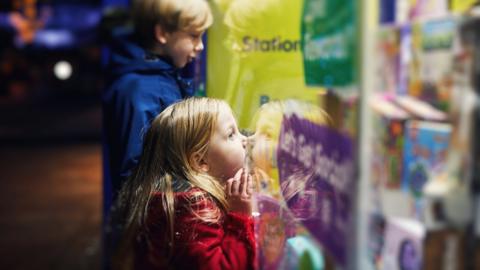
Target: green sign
[328, 41]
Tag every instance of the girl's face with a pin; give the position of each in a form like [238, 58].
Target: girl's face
[262, 151]
[183, 46]
[226, 153]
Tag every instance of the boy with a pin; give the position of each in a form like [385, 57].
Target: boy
[144, 78]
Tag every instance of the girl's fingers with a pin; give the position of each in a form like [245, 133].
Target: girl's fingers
[232, 186]
[238, 174]
[233, 183]
[244, 186]
[243, 183]
[249, 186]
[240, 185]
[235, 186]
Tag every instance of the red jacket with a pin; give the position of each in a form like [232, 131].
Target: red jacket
[228, 244]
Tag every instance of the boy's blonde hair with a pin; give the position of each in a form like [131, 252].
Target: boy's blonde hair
[171, 15]
[177, 136]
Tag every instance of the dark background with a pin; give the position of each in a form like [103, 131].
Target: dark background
[50, 141]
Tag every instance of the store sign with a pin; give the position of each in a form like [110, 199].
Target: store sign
[255, 55]
[328, 37]
[276, 44]
[316, 170]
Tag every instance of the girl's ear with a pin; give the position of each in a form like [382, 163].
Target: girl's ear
[199, 163]
[160, 34]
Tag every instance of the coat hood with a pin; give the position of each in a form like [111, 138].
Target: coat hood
[128, 56]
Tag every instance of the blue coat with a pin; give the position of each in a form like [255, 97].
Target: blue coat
[140, 85]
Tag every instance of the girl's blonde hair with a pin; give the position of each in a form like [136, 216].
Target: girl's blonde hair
[171, 15]
[176, 137]
[267, 121]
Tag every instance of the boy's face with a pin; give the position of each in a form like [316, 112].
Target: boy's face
[183, 46]
[226, 153]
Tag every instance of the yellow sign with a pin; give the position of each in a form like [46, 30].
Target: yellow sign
[461, 5]
[254, 55]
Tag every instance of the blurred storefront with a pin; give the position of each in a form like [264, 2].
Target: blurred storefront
[391, 181]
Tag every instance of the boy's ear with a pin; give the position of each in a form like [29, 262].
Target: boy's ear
[160, 34]
[199, 163]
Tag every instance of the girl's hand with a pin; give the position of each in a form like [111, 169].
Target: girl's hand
[239, 191]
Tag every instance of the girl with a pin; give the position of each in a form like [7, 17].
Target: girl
[187, 205]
